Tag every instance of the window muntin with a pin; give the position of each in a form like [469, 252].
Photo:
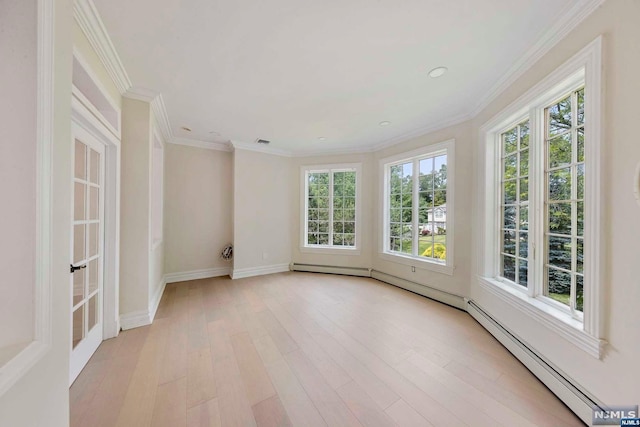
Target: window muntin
[564, 201]
[416, 206]
[514, 204]
[331, 208]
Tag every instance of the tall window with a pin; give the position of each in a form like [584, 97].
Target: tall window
[331, 208]
[540, 245]
[418, 204]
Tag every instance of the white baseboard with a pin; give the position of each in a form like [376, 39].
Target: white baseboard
[240, 273]
[348, 271]
[424, 290]
[197, 274]
[135, 319]
[574, 396]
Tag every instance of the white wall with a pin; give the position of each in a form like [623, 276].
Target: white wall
[41, 397]
[364, 227]
[615, 379]
[198, 206]
[262, 214]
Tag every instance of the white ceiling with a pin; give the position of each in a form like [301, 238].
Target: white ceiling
[292, 71]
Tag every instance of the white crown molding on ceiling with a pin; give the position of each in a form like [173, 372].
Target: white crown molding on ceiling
[88, 18]
[568, 20]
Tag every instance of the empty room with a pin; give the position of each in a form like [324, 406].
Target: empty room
[319, 213]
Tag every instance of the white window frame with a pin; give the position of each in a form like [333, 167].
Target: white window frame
[304, 208]
[445, 147]
[584, 69]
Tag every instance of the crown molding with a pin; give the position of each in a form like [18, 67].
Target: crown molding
[332, 151]
[568, 20]
[158, 108]
[219, 146]
[87, 17]
[261, 149]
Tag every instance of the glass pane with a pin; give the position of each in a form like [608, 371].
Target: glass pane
[349, 214]
[80, 161]
[510, 192]
[580, 107]
[323, 214]
[312, 226]
[349, 227]
[580, 207]
[396, 179]
[323, 202]
[426, 200]
[524, 217]
[312, 238]
[440, 173]
[94, 168]
[349, 203]
[349, 239]
[510, 141]
[313, 214]
[337, 239]
[522, 272]
[524, 245]
[406, 245]
[559, 250]
[580, 169]
[93, 273]
[79, 195]
[78, 243]
[407, 216]
[579, 292]
[524, 134]
[78, 285]
[581, 145]
[580, 256]
[78, 325]
[395, 215]
[93, 312]
[560, 116]
[439, 198]
[509, 213]
[323, 226]
[560, 151]
[323, 239]
[559, 285]
[94, 202]
[338, 178]
[524, 163]
[338, 203]
[560, 184]
[94, 239]
[338, 191]
[338, 227]
[395, 245]
[509, 268]
[560, 218]
[426, 183]
[510, 167]
[524, 189]
[509, 242]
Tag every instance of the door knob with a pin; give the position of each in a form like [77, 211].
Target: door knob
[74, 268]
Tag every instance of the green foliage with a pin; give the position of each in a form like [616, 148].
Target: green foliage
[436, 251]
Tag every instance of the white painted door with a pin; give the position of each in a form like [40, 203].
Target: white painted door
[87, 250]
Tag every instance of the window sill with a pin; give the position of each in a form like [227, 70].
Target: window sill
[562, 323]
[330, 250]
[421, 263]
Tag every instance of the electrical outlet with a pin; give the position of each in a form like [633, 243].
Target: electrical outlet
[413, 269]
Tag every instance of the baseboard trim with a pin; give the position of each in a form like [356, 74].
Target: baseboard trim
[573, 395]
[240, 273]
[432, 293]
[332, 269]
[197, 274]
[135, 319]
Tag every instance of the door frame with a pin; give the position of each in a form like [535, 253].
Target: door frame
[83, 118]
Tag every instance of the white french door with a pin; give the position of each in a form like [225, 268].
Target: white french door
[87, 250]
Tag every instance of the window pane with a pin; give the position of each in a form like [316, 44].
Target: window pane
[426, 200]
[395, 215]
[560, 151]
[510, 167]
[560, 184]
[559, 250]
[560, 218]
[524, 245]
[580, 214]
[580, 256]
[581, 107]
[323, 239]
[524, 163]
[581, 145]
[338, 227]
[559, 285]
[312, 239]
[349, 240]
[524, 134]
[349, 227]
[510, 192]
[337, 239]
[524, 189]
[323, 226]
[524, 217]
[509, 214]
[440, 173]
[510, 141]
[439, 198]
[323, 214]
[560, 116]
[523, 271]
[509, 242]
[407, 245]
[509, 268]
[580, 169]
[579, 292]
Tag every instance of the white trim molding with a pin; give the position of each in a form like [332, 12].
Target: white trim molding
[206, 273]
[241, 273]
[261, 148]
[207, 145]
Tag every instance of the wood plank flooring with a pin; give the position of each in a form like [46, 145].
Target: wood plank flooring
[303, 349]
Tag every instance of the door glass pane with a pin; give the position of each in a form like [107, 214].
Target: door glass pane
[94, 239]
[79, 201]
[80, 161]
[93, 312]
[78, 325]
[78, 243]
[94, 166]
[78, 286]
[94, 202]
[93, 273]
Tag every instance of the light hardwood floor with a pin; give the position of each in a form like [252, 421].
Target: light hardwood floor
[307, 349]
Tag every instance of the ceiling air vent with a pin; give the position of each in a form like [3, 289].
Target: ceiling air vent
[262, 141]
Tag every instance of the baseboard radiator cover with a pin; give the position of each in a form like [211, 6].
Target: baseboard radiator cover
[332, 269]
[580, 401]
[418, 288]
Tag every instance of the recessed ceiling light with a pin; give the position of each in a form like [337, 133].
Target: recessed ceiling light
[186, 129]
[385, 123]
[322, 138]
[437, 72]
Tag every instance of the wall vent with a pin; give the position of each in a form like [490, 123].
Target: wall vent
[262, 141]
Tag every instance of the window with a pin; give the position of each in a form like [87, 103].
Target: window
[540, 198]
[331, 207]
[418, 196]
